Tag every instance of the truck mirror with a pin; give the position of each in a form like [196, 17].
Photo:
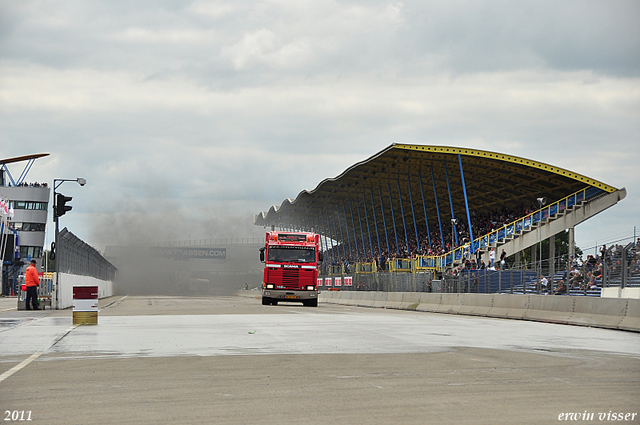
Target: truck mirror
[320, 256]
[262, 255]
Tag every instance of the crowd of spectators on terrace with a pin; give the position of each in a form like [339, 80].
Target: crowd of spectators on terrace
[430, 242]
[34, 184]
[588, 275]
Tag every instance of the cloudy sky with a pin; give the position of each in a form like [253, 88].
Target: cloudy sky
[188, 117]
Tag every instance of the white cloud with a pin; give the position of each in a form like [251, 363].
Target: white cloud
[214, 10]
[173, 36]
[263, 47]
[202, 103]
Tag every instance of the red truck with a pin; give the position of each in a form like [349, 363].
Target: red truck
[291, 267]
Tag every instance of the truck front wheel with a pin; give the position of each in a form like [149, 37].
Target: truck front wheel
[311, 303]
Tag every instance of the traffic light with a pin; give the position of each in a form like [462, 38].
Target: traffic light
[61, 208]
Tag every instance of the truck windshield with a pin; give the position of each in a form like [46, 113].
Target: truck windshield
[281, 254]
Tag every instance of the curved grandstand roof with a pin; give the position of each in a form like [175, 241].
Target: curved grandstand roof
[400, 176]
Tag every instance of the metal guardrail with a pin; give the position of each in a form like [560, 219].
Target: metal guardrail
[401, 265]
[365, 268]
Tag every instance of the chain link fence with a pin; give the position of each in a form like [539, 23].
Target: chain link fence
[617, 266]
[75, 256]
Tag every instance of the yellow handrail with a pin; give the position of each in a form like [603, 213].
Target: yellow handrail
[365, 267]
[401, 265]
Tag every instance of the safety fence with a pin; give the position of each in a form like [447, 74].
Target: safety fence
[617, 266]
[621, 266]
[477, 281]
[571, 278]
[74, 256]
[390, 282]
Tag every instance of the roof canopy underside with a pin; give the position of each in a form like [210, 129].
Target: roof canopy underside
[401, 176]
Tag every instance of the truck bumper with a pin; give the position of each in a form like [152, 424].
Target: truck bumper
[289, 295]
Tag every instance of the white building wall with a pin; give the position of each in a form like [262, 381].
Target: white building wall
[29, 194]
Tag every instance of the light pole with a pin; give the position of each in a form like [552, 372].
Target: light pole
[59, 208]
[454, 221]
[541, 203]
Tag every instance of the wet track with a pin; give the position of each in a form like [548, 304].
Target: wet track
[232, 360]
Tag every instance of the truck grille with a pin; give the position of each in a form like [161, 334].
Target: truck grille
[291, 278]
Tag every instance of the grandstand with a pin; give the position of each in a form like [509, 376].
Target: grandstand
[443, 210]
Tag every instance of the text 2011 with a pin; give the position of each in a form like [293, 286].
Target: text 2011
[17, 415]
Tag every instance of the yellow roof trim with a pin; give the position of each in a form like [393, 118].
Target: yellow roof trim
[507, 158]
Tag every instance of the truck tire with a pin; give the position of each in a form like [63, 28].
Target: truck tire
[311, 303]
[265, 301]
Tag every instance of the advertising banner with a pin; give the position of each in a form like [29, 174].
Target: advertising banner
[186, 253]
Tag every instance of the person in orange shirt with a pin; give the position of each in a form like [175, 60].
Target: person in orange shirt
[32, 282]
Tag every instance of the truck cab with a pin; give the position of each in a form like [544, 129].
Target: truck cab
[291, 268]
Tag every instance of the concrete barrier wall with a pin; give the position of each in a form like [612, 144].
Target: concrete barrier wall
[609, 313]
[68, 281]
[618, 292]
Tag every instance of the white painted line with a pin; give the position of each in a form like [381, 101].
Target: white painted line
[34, 356]
[118, 301]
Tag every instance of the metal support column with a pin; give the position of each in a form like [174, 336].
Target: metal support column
[435, 196]
[333, 256]
[453, 216]
[364, 243]
[393, 218]
[336, 233]
[384, 221]
[424, 206]
[366, 215]
[355, 236]
[413, 213]
[404, 224]
[344, 209]
[466, 205]
[375, 221]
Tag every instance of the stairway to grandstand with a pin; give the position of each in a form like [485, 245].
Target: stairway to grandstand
[547, 221]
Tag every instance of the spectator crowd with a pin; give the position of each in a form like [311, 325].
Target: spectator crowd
[430, 241]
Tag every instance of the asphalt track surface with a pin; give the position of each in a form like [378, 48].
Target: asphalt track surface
[230, 360]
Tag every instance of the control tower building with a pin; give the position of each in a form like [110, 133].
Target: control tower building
[23, 225]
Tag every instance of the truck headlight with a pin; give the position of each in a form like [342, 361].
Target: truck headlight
[269, 286]
[311, 288]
